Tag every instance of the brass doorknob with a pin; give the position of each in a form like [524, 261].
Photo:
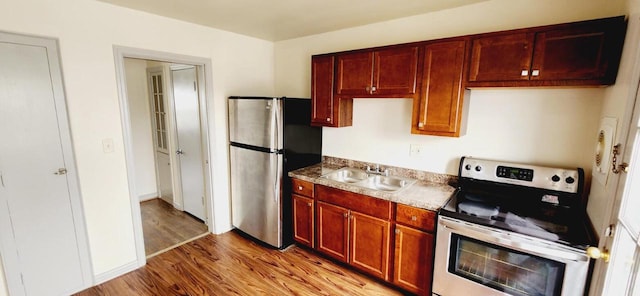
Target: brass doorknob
[596, 253]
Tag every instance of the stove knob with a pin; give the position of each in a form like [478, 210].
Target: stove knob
[478, 168]
[569, 180]
[555, 178]
[467, 167]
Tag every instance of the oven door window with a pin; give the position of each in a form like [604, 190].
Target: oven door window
[503, 269]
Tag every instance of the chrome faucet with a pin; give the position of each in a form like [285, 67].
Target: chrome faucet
[377, 171]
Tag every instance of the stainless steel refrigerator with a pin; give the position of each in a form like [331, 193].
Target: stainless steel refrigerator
[268, 137]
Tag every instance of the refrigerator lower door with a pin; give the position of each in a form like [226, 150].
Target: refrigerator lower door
[256, 194]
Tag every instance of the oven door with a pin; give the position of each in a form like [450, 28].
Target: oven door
[471, 259]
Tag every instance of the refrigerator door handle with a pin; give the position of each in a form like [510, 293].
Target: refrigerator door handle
[276, 184]
[275, 124]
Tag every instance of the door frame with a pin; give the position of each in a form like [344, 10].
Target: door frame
[9, 263]
[205, 75]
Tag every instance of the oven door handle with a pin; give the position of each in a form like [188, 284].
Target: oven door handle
[530, 246]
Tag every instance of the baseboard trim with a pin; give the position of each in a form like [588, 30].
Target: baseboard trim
[148, 196]
[116, 272]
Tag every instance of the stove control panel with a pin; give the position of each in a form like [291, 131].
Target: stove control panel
[558, 179]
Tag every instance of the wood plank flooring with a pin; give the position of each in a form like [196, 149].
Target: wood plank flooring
[163, 226]
[230, 264]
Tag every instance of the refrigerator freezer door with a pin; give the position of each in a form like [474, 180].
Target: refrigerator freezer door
[256, 194]
[256, 121]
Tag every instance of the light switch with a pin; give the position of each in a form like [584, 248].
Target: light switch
[107, 145]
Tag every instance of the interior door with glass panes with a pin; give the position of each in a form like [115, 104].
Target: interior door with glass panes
[160, 135]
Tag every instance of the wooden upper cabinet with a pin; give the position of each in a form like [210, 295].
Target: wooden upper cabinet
[355, 73]
[395, 71]
[438, 111]
[573, 54]
[501, 58]
[385, 72]
[327, 110]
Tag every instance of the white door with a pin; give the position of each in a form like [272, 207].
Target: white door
[43, 239]
[160, 125]
[622, 275]
[189, 144]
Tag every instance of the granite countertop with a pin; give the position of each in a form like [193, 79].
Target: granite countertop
[423, 194]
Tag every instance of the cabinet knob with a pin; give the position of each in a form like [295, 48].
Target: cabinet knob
[414, 218]
[524, 73]
[373, 88]
[309, 204]
[420, 124]
[368, 88]
[299, 187]
[328, 119]
[535, 72]
[397, 231]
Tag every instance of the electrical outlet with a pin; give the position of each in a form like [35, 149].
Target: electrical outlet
[415, 150]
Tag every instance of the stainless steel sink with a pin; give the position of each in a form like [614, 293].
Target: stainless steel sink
[389, 183]
[361, 178]
[347, 175]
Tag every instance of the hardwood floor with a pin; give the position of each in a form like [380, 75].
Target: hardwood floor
[163, 226]
[230, 264]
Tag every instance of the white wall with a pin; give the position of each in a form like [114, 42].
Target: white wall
[545, 126]
[141, 130]
[87, 31]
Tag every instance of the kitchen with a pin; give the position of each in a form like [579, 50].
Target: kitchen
[380, 132]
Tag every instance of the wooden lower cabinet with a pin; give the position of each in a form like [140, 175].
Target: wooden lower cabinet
[413, 260]
[370, 244]
[303, 216]
[333, 231]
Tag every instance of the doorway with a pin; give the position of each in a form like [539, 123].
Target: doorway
[169, 147]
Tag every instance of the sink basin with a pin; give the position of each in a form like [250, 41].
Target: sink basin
[347, 175]
[389, 183]
[361, 178]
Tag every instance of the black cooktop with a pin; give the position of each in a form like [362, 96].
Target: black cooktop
[523, 212]
[538, 201]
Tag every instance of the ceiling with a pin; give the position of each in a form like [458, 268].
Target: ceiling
[277, 20]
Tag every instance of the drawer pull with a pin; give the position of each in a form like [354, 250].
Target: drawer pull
[299, 187]
[524, 73]
[414, 218]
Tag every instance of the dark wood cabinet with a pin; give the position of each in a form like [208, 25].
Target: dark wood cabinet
[438, 110]
[327, 110]
[414, 245]
[355, 229]
[370, 244]
[501, 58]
[385, 72]
[333, 231]
[303, 217]
[413, 260]
[576, 54]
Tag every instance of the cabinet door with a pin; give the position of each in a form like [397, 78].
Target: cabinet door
[303, 220]
[370, 244]
[395, 70]
[570, 53]
[322, 104]
[333, 231]
[354, 74]
[413, 260]
[501, 58]
[440, 103]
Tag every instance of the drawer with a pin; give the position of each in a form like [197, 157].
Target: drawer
[372, 206]
[302, 187]
[419, 218]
